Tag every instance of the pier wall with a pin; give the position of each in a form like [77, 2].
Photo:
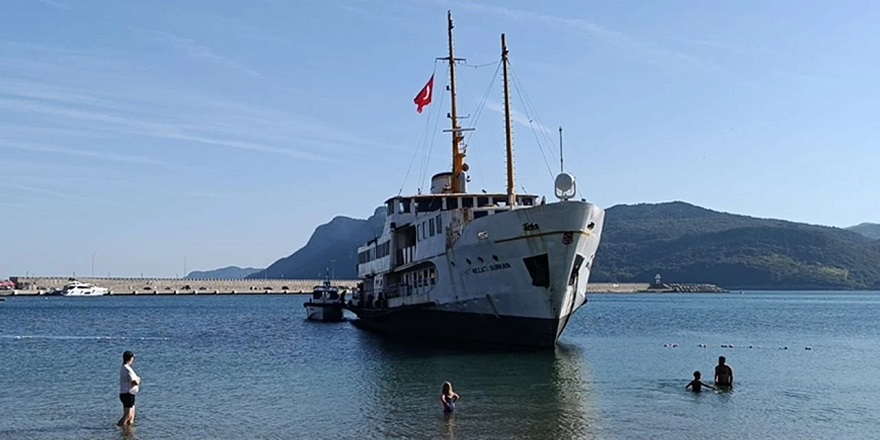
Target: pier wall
[170, 285]
[146, 286]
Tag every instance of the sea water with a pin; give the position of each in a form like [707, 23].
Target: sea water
[250, 367]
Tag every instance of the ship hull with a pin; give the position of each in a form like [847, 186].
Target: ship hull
[323, 312]
[438, 325]
[514, 278]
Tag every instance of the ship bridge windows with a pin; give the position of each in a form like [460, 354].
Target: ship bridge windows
[467, 202]
[526, 200]
[452, 203]
[429, 204]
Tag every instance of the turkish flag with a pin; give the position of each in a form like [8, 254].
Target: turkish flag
[424, 96]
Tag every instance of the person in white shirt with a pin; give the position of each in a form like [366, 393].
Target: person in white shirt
[129, 385]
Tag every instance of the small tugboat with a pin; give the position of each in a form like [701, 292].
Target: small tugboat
[325, 304]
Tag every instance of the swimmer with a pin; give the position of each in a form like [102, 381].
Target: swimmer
[448, 397]
[697, 385]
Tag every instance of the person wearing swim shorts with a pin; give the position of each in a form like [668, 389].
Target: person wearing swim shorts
[129, 385]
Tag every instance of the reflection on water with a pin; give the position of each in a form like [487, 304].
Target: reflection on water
[534, 394]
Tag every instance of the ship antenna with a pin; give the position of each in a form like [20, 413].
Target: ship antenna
[561, 160]
[458, 165]
[508, 128]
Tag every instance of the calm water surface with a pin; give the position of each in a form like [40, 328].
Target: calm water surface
[252, 368]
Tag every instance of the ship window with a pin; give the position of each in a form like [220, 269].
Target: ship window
[404, 206]
[433, 230]
[482, 201]
[539, 269]
[467, 202]
[575, 270]
[422, 205]
[452, 203]
[500, 201]
[478, 214]
[433, 277]
[439, 222]
[389, 208]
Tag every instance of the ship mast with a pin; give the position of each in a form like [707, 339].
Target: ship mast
[458, 165]
[511, 186]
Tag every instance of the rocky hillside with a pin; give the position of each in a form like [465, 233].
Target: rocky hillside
[333, 246]
[225, 273]
[870, 230]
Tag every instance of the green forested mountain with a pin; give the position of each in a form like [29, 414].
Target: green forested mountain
[682, 242]
[686, 243]
[870, 230]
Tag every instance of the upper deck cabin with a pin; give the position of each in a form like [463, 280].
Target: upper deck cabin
[442, 199]
[425, 203]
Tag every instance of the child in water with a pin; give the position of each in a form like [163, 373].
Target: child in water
[448, 398]
[696, 385]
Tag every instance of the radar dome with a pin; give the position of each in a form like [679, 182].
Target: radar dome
[565, 185]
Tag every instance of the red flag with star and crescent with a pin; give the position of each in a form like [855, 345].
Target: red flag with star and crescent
[424, 96]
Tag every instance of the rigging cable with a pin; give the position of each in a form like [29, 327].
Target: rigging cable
[479, 111]
[478, 66]
[419, 144]
[524, 101]
[427, 159]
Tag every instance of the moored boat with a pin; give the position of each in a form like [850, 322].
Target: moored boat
[326, 303]
[76, 288]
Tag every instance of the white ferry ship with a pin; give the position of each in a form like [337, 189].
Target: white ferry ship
[500, 268]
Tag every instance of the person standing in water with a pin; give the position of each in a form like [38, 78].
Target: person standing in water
[697, 385]
[448, 397]
[129, 385]
[723, 374]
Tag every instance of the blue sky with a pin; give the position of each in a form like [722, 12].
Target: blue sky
[145, 135]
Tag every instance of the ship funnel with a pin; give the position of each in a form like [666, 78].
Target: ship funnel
[441, 183]
[565, 186]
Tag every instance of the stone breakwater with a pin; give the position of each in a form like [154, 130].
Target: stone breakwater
[146, 286]
[170, 286]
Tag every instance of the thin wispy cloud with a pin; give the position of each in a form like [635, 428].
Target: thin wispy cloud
[160, 130]
[36, 90]
[64, 195]
[594, 32]
[91, 154]
[196, 50]
[56, 4]
[517, 117]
